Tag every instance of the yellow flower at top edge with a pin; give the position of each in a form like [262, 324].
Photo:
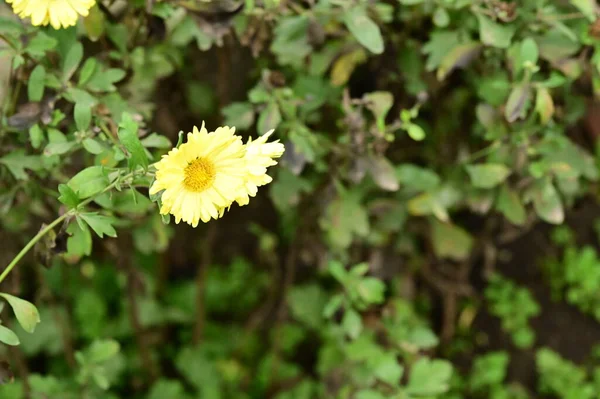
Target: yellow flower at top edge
[58, 13]
[201, 178]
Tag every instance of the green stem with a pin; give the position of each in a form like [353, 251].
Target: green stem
[57, 221]
[31, 243]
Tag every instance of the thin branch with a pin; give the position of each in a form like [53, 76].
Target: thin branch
[205, 261]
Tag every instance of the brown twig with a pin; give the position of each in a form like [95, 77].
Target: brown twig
[205, 261]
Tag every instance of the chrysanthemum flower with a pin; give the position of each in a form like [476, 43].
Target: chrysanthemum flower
[259, 156]
[202, 176]
[58, 13]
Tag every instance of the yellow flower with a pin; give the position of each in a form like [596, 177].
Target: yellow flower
[203, 176]
[259, 156]
[59, 13]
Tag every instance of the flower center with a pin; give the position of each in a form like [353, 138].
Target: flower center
[199, 174]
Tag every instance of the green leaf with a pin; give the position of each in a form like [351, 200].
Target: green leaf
[80, 241]
[547, 203]
[517, 102]
[364, 29]
[36, 136]
[89, 66]
[35, 86]
[459, 57]
[529, 51]
[429, 377]
[72, 61]
[68, 196]
[8, 337]
[451, 241]
[415, 132]
[155, 140]
[388, 370]
[587, 7]
[128, 135]
[94, 23]
[17, 162]
[352, 323]
[487, 175]
[59, 148]
[93, 146]
[544, 105]
[27, 314]
[269, 118]
[494, 34]
[307, 303]
[240, 115]
[383, 173]
[99, 223]
[379, 103]
[89, 181]
[102, 350]
[369, 394]
[83, 117]
[510, 205]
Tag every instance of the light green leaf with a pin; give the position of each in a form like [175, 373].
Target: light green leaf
[80, 241]
[89, 181]
[494, 34]
[544, 105]
[128, 135]
[89, 66]
[415, 132]
[36, 136]
[83, 116]
[487, 175]
[352, 323]
[451, 241]
[99, 223]
[157, 141]
[587, 7]
[529, 51]
[26, 313]
[93, 146]
[388, 370]
[35, 86]
[8, 337]
[429, 377]
[364, 29]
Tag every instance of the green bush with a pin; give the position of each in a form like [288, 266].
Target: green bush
[423, 140]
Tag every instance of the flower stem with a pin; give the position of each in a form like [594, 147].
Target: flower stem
[56, 222]
[31, 243]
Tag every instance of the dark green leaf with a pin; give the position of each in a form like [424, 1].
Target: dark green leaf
[128, 135]
[68, 196]
[35, 86]
[72, 60]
